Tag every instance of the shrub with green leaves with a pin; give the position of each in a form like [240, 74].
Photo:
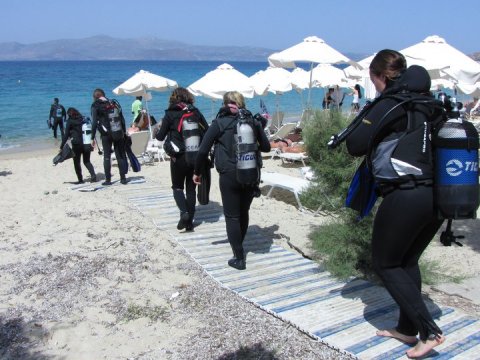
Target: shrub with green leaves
[344, 243]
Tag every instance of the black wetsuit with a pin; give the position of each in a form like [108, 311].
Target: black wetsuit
[181, 173]
[58, 114]
[404, 225]
[73, 130]
[236, 198]
[100, 121]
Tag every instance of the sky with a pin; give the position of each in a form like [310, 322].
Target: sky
[350, 26]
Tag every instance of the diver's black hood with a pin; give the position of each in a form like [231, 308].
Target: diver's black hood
[414, 79]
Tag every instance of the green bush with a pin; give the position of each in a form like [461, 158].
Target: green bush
[343, 244]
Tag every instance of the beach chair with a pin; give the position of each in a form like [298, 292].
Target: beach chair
[292, 157]
[277, 120]
[139, 142]
[291, 183]
[283, 131]
[155, 149]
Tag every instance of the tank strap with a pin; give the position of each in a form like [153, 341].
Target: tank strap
[247, 147]
[180, 123]
[386, 188]
[193, 132]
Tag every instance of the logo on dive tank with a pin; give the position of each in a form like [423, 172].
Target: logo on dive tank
[246, 157]
[455, 167]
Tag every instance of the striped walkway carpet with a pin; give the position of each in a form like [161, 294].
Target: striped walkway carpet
[344, 315]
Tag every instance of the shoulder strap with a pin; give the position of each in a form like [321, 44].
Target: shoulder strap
[180, 123]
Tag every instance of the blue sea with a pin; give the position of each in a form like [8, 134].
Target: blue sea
[27, 89]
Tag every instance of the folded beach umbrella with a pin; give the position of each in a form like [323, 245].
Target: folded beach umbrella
[443, 60]
[221, 80]
[142, 82]
[312, 50]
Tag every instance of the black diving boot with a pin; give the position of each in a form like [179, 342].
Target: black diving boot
[238, 262]
[183, 222]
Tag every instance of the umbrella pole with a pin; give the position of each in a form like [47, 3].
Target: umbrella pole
[310, 87]
[148, 119]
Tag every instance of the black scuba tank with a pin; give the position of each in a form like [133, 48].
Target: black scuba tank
[247, 165]
[191, 138]
[456, 169]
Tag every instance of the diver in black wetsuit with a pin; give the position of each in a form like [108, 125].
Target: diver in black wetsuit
[73, 130]
[57, 117]
[180, 109]
[406, 221]
[236, 197]
[101, 121]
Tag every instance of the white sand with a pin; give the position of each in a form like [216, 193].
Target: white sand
[75, 267]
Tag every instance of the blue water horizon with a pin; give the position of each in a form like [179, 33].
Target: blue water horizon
[27, 89]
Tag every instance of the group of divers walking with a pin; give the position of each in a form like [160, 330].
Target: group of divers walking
[405, 222]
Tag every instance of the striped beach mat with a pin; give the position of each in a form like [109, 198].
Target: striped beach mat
[341, 314]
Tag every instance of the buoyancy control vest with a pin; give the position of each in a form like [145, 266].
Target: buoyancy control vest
[248, 171]
[58, 112]
[433, 149]
[456, 172]
[405, 156]
[111, 121]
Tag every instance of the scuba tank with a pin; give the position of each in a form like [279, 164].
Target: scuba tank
[191, 138]
[247, 168]
[456, 170]
[87, 132]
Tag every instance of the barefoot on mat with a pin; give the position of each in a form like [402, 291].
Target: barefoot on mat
[424, 347]
[407, 339]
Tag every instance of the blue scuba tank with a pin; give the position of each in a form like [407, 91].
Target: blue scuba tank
[456, 169]
[247, 165]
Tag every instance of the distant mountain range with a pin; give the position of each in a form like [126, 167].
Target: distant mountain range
[108, 48]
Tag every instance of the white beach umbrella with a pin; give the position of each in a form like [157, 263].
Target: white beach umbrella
[274, 80]
[144, 81]
[141, 83]
[217, 82]
[312, 50]
[440, 58]
[300, 79]
[326, 75]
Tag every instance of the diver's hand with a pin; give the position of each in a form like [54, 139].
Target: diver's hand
[197, 179]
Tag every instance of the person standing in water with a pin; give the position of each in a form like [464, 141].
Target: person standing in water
[57, 117]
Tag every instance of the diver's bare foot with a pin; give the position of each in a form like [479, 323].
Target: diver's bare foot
[424, 347]
[407, 339]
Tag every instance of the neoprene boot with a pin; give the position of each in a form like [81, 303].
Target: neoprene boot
[183, 222]
[238, 262]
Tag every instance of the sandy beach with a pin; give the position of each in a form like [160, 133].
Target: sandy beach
[85, 276]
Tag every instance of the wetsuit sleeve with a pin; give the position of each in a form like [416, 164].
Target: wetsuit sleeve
[203, 123]
[205, 146]
[64, 113]
[263, 143]
[359, 140]
[51, 112]
[164, 128]
[67, 134]
[93, 113]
